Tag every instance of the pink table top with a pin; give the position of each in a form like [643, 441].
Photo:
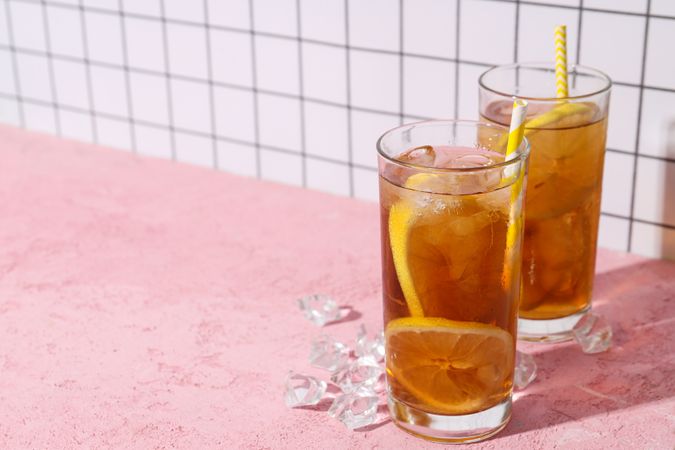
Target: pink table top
[150, 304]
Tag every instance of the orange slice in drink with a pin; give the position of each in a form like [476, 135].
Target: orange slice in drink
[450, 367]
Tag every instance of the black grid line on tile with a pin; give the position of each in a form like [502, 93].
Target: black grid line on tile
[254, 88]
[50, 68]
[87, 71]
[167, 78]
[401, 65]
[15, 64]
[127, 77]
[458, 12]
[633, 190]
[348, 106]
[301, 97]
[209, 80]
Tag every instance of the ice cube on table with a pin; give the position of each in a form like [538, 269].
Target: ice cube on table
[368, 347]
[355, 409]
[302, 390]
[364, 372]
[525, 370]
[327, 353]
[593, 333]
[320, 309]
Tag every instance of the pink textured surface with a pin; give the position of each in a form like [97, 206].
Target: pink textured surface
[149, 304]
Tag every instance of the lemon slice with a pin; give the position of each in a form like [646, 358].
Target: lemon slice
[449, 367]
[556, 115]
[401, 217]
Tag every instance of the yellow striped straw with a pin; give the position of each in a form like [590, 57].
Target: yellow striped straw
[561, 61]
[516, 133]
[517, 129]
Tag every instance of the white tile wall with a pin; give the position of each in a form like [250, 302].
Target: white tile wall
[6, 76]
[40, 118]
[28, 25]
[4, 31]
[654, 241]
[375, 80]
[366, 129]
[327, 131]
[145, 44]
[430, 27]
[104, 37]
[324, 73]
[113, 133]
[604, 36]
[149, 98]
[34, 76]
[65, 32]
[9, 112]
[76, 125]
[374, 24]
[275, 132]
[144, 7]
[536, 31]
[660, 66]
[277, 64]
[613, 233]
[655, 191]
[623, 111]
[636, 6]
[153, 141]
[467, 92]
[663, 7]
[320, 176]
[616, 183]
[324, 20]
[658, 115]
[237, 158]
[235, 113]
[231, 57]
[109, 91]
[191, 105]
[487, 37]
[302, 97]
[276, 16]
[194, 149]
[271, 161]
[182, 10]
[232, 13]
[428, 87]
[70, 78]
[187, 50]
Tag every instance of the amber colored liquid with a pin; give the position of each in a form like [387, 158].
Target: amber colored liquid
[457, 256]
[562, 209]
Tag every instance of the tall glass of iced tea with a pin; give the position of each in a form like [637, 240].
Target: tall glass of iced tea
[451, 217]
[562, 202]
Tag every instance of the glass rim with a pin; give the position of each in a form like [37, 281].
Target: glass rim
[546, 65]
[521, 152]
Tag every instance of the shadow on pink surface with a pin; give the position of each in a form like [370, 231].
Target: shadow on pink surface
[639, 368]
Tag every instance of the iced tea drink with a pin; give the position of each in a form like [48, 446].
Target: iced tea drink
[562, 202]
[451, 228]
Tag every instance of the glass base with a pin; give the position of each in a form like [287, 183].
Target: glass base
[450, 429]
[548, 330]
